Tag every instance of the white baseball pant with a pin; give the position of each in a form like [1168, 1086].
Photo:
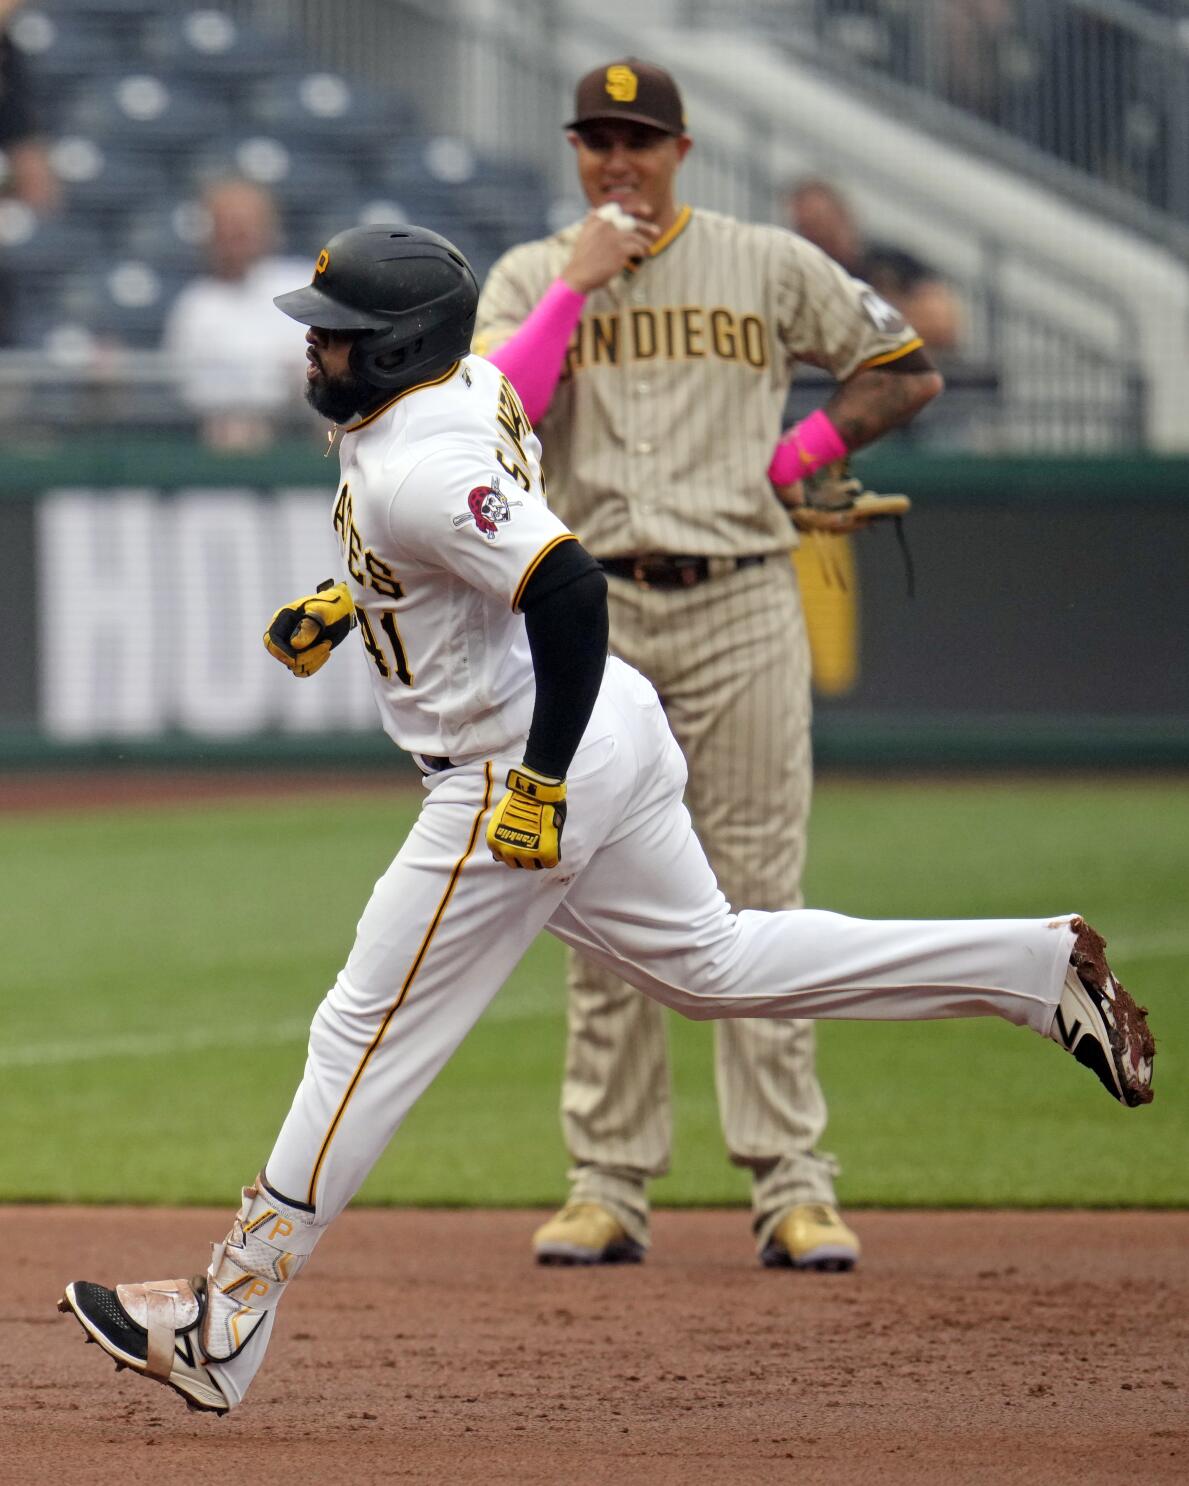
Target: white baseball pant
[446, 925]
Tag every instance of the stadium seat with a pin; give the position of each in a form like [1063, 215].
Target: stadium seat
[479, 247]
[155, 99]
[434, 161]
[509, 201]
[322, 110]
[420, 201]
[34, 248]
[295, 177]
[124, 10]
[424, 175]
[170, 235]
[145, 111]
[208, 46]
[310, 231]
[441, 180]
[28, 311]
[60, 51]
[123, 301]
[99, 178]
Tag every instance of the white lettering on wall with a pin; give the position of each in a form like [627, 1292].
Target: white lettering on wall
[98, 614]
[152, 610]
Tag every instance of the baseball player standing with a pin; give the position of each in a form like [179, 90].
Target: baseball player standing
[485, 625]
[654, 345]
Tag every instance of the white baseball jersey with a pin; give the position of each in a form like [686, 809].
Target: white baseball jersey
[446, 924]
[442, 520]
[658, 435]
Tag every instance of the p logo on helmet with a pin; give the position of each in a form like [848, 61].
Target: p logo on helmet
[621, 83]
[406, 295]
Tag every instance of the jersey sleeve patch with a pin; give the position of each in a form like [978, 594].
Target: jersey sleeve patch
[488, 508]
[885, 319]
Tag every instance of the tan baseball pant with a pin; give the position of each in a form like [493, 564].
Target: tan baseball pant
[730, 660]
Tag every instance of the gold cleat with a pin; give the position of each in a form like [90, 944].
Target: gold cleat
[811, 1236]
[585, 1233]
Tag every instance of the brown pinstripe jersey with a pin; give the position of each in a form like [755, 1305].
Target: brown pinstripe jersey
[660, 431]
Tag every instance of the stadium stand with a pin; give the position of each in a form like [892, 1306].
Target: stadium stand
[147, 102]
[1096, 93]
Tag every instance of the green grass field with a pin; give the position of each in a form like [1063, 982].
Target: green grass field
[161, 967]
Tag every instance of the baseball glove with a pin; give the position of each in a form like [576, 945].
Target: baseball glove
[834, 500]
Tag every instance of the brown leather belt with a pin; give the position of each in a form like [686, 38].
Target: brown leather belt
[662, 571]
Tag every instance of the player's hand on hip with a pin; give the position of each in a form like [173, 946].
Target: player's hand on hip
[811, 517]
[303, 633]
[608, 241]
[525, 828]
[790, 495]
[834, 500]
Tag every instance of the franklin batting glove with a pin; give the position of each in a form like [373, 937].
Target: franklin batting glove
[302, 634]
[525, 830]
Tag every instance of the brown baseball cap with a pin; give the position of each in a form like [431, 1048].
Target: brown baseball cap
[634, 91]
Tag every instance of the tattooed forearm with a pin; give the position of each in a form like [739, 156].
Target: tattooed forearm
[873, 401]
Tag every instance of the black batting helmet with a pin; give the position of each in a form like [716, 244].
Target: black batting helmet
[409, 290]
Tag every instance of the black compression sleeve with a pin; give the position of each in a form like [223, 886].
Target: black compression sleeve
[565, 616]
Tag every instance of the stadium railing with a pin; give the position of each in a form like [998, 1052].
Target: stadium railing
[1089, 97]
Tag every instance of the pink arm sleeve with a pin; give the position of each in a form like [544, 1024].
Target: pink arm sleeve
[805, 448]
[532, 359]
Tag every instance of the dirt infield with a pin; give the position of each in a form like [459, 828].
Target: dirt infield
[424, 1346]
[32, 791]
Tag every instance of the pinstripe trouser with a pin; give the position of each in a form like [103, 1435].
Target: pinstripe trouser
[730, 661]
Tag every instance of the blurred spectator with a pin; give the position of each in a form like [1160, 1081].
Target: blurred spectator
[27, 173]
[240, 360]
[979, 50]
[819, 212]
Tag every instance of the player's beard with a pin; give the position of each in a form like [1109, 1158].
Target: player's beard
[339, 398]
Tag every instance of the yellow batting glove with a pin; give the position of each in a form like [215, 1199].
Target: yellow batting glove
[525, 830]
[303, 633]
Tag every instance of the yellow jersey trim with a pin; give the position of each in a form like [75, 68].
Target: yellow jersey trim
[566, 536]
[418, 960]
[408, 391]
[666, 238]
[893, 355]
[678, 227]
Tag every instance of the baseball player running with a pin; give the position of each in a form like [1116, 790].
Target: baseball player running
[654, 346]
[485, 625]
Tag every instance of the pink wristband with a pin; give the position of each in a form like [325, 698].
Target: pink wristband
[532, 358]
[805, 448]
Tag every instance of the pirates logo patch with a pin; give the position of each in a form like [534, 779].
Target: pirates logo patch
[489, 508]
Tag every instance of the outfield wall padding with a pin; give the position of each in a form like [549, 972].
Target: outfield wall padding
[1048, 624]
